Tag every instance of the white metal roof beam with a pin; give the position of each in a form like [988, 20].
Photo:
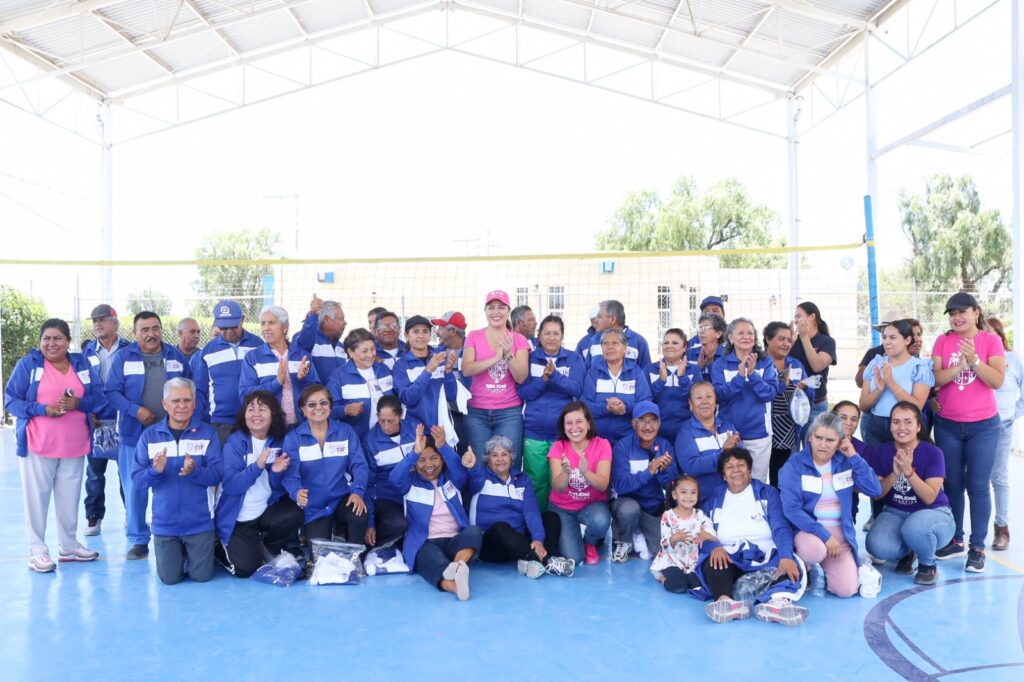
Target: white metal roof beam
[213, 29]
[116, 28]
[295, 19]
[27, 53]
[54, 13]
[675, 13]
[809, 10]
[757, 27]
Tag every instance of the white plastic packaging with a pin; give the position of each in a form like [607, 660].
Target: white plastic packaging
[870, 580]
[336, 563]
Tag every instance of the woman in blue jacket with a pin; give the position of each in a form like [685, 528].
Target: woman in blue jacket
[702, 439]
[254, 510]
[440, 541]
[323, 455]
[556, 379]
[746, 382]
[506, 510]
[357, 385]
[613, 385]
[671, 380]
[52, 392]
[818, 485]
[387, 444]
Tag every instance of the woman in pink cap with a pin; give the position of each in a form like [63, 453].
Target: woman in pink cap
[497, 360]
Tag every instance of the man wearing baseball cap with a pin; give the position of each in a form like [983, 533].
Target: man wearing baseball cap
[451, 332]
[100, 351]
[218, 366]
[640, 473]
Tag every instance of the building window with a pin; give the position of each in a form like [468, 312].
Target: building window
[664, 308]
[522, 296]
[556, 301]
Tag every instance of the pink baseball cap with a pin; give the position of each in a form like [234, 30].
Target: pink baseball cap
[497, 295]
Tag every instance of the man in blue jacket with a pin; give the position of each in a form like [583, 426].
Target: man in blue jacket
[320, 336]
[217, 367]
[100, 353]
[179, 458]
[134, 388]
[612, 315]
[641, 468]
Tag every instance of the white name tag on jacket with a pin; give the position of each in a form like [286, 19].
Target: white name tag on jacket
[386, 383]
[449, 490]
[438, 373]
[632, 353]
[796, 373]
[843, 479]
[637, 465]
[336, 448]
[173, 366]
[811, 484]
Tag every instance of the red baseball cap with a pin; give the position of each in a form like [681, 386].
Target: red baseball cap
[453, 318]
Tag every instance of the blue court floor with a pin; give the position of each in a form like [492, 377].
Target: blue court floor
[113, 620]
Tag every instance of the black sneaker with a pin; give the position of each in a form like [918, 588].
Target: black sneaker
[926, 575]
[905, 566]
[951, 551]
[975, 561]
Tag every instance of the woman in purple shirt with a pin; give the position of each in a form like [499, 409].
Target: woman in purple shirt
[916, 518]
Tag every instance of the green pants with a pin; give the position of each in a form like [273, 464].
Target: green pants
[535, 464]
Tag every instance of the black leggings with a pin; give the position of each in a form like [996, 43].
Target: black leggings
[503, 543]
[778, 458]
[722, 581]
[678, 581]
[343, 521]
[276, 528]
[389, 520]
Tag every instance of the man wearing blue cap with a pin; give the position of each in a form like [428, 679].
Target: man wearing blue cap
[217, 367]
[640, 473]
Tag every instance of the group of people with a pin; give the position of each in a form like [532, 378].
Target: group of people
[720, 461]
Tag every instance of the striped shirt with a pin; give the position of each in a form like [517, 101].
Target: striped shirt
[827, 511]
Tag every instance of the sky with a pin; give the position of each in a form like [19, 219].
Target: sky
[453, 155]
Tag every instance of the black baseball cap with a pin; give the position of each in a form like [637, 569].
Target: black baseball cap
[416, 320]
[961, 300]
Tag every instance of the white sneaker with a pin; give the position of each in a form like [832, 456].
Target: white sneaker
[640, 544]
[531, 569]
[42, 563]
[725, 610]
[78, 554]
[559, 565]
[781, 611]
[620, 552]
[93, 528]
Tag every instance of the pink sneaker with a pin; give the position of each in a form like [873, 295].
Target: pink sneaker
[591, 552]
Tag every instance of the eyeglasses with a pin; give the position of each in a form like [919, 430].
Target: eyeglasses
[705, 328]
[388, 327]
[315, 403]
[648, 421]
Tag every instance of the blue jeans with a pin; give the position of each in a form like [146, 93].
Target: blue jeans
[631, 518]
[135, 501]
[435, 555]
[896, 532]
[1000, 474]
[874, 430]
[595, 516]
[508, 422]
[970, 450]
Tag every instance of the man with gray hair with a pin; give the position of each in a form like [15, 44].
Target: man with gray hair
[320, 336]
[612, 315]
[188, 337]
[179, 458]
[525, 322]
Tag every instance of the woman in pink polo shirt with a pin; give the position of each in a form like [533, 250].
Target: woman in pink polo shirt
[969, 364]
[51, 392]
[498, 360]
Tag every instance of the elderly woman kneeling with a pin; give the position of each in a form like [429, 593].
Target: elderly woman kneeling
[818, 489]
[753, 535]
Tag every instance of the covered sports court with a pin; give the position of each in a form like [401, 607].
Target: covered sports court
[780, 67]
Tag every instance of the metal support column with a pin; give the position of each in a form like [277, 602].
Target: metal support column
[793, 110]
[1017, 27]
[872, 192]
[106, 204]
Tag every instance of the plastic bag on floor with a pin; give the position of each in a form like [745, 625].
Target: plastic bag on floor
[282, 570]
[750, 585]
[385, 560]
[336, 563]
[870, 580]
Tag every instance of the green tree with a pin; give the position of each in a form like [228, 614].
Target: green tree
[149, 299]
[723, 217]
[955, 243]
[21, 316]
[241, 281]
